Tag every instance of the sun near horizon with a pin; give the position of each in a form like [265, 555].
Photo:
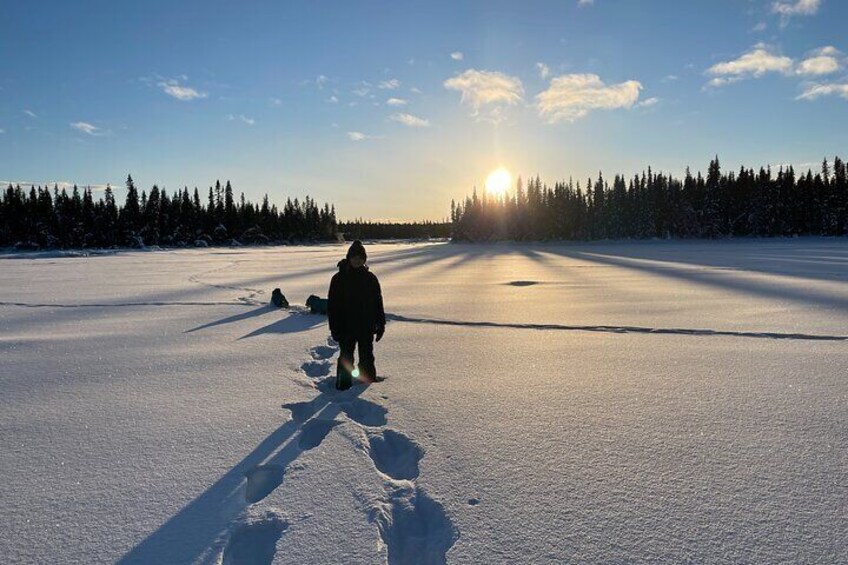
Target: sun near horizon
[498, 182]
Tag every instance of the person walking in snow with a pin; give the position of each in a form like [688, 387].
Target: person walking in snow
[356, 315]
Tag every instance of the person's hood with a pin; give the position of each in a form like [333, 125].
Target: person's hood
[344, 265]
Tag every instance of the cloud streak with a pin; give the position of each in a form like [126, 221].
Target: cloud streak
[391, 84]
[815, 91]
[181, 92]
[574, 96]
[86, 128]
[409, 120]
[242, 118]
[797, 8]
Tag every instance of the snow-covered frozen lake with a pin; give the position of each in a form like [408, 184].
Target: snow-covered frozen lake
[611, 402]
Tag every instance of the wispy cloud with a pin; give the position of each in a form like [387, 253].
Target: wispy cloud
[275, 102]
[86, 127]
[176, 90]
[333, 99]
[396, 102]
[30, 113]
[486, 92]
[761, 26]
[585, 2]
[544, 70]
[2, 131]
[390, 84]
[796, 8]
[814, 91]
[823, 61]
[357, 136]
[409, 120]
[648, 102]
[457, 56]
[571, 97]
[755, 63]
[242, 118]
[363, 90]
[320, 81]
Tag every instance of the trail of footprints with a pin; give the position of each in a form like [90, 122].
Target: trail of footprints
[414, 527]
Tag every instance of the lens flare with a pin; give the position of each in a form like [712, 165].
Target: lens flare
[355, 373]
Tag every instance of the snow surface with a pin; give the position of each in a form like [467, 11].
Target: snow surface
[611, 402]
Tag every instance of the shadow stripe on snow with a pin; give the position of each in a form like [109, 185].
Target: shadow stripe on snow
[619, 329]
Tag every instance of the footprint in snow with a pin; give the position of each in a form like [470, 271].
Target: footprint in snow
[316, 369]
[255, 542]
[394, 454]
[300, 411]
[262, 480]
[323, 352]
[365, 413]
[414, 527]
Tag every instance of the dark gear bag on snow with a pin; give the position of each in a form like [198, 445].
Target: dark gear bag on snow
[317, 305]
[278, 300]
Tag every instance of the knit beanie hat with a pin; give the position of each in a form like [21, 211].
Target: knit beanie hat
[357, 249]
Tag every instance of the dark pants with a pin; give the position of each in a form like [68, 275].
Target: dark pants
[367, 371]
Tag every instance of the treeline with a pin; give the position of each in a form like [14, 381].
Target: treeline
[650, 205]
[360, 229]
[40, 218]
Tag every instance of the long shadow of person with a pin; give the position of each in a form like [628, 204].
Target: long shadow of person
[293, 323]
[261, 311]
[194, 528]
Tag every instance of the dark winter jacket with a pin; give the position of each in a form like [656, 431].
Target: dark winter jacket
[355, 302]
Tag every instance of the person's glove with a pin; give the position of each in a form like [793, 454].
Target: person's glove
[380, 331]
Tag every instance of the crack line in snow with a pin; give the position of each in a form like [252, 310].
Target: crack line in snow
[619, 329]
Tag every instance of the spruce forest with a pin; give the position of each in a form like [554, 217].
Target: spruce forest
[39, 218]
[650, 205]
[761, 203]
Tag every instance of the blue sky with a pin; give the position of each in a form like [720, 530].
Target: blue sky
[390, 109]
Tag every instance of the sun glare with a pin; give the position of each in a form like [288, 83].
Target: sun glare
[498, 182]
